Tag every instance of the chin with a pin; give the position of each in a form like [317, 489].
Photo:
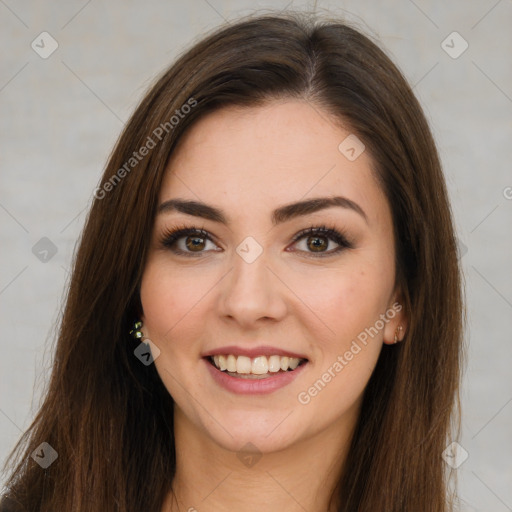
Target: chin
[261, 431]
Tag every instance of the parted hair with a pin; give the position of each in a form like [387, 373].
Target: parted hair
[110, 418]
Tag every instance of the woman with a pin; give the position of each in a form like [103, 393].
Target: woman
[265, 310]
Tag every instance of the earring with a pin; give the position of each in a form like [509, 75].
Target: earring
[397, 333]
[136, 331]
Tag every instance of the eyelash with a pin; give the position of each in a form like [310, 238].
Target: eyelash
[172, 235]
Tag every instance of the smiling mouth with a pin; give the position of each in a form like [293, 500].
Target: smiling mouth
[259, 367]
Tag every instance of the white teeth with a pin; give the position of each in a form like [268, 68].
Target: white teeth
[293, 363]
[274, 364]
[231, 363]
[260, 365]
[243, 364]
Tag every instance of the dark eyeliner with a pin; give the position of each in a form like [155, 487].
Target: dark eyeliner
[327, 232]
[172, 235]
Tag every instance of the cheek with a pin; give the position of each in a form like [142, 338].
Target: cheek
[166, 299]
[168, 295]
[350, 303]
[346, 299]
[175, 304]
[170, 320]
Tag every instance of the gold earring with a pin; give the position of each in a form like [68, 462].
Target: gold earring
[136, 331]
[398, 330]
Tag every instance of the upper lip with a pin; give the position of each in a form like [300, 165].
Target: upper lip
[262, 350]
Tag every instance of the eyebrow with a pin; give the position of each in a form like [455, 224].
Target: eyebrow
[279, 215]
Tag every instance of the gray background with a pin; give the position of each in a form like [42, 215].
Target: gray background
[60, 117]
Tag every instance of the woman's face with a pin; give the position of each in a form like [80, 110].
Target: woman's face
[247, 286]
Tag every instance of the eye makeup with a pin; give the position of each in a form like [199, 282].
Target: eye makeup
[198, 238]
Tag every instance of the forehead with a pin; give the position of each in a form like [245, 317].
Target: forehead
[268, 155]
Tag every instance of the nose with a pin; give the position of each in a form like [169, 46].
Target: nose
[252, 293]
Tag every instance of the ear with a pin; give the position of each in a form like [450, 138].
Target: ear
[397, 320]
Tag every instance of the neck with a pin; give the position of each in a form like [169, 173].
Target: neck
[300, 477]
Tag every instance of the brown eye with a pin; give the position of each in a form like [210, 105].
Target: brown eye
[188, 242]
[317, 243]
[195, 243]
[321, 241]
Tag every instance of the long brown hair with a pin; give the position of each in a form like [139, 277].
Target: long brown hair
[109, 417]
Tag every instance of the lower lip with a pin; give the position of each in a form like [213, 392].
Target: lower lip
[243, 386]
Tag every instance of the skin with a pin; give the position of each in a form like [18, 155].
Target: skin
[247, 162]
